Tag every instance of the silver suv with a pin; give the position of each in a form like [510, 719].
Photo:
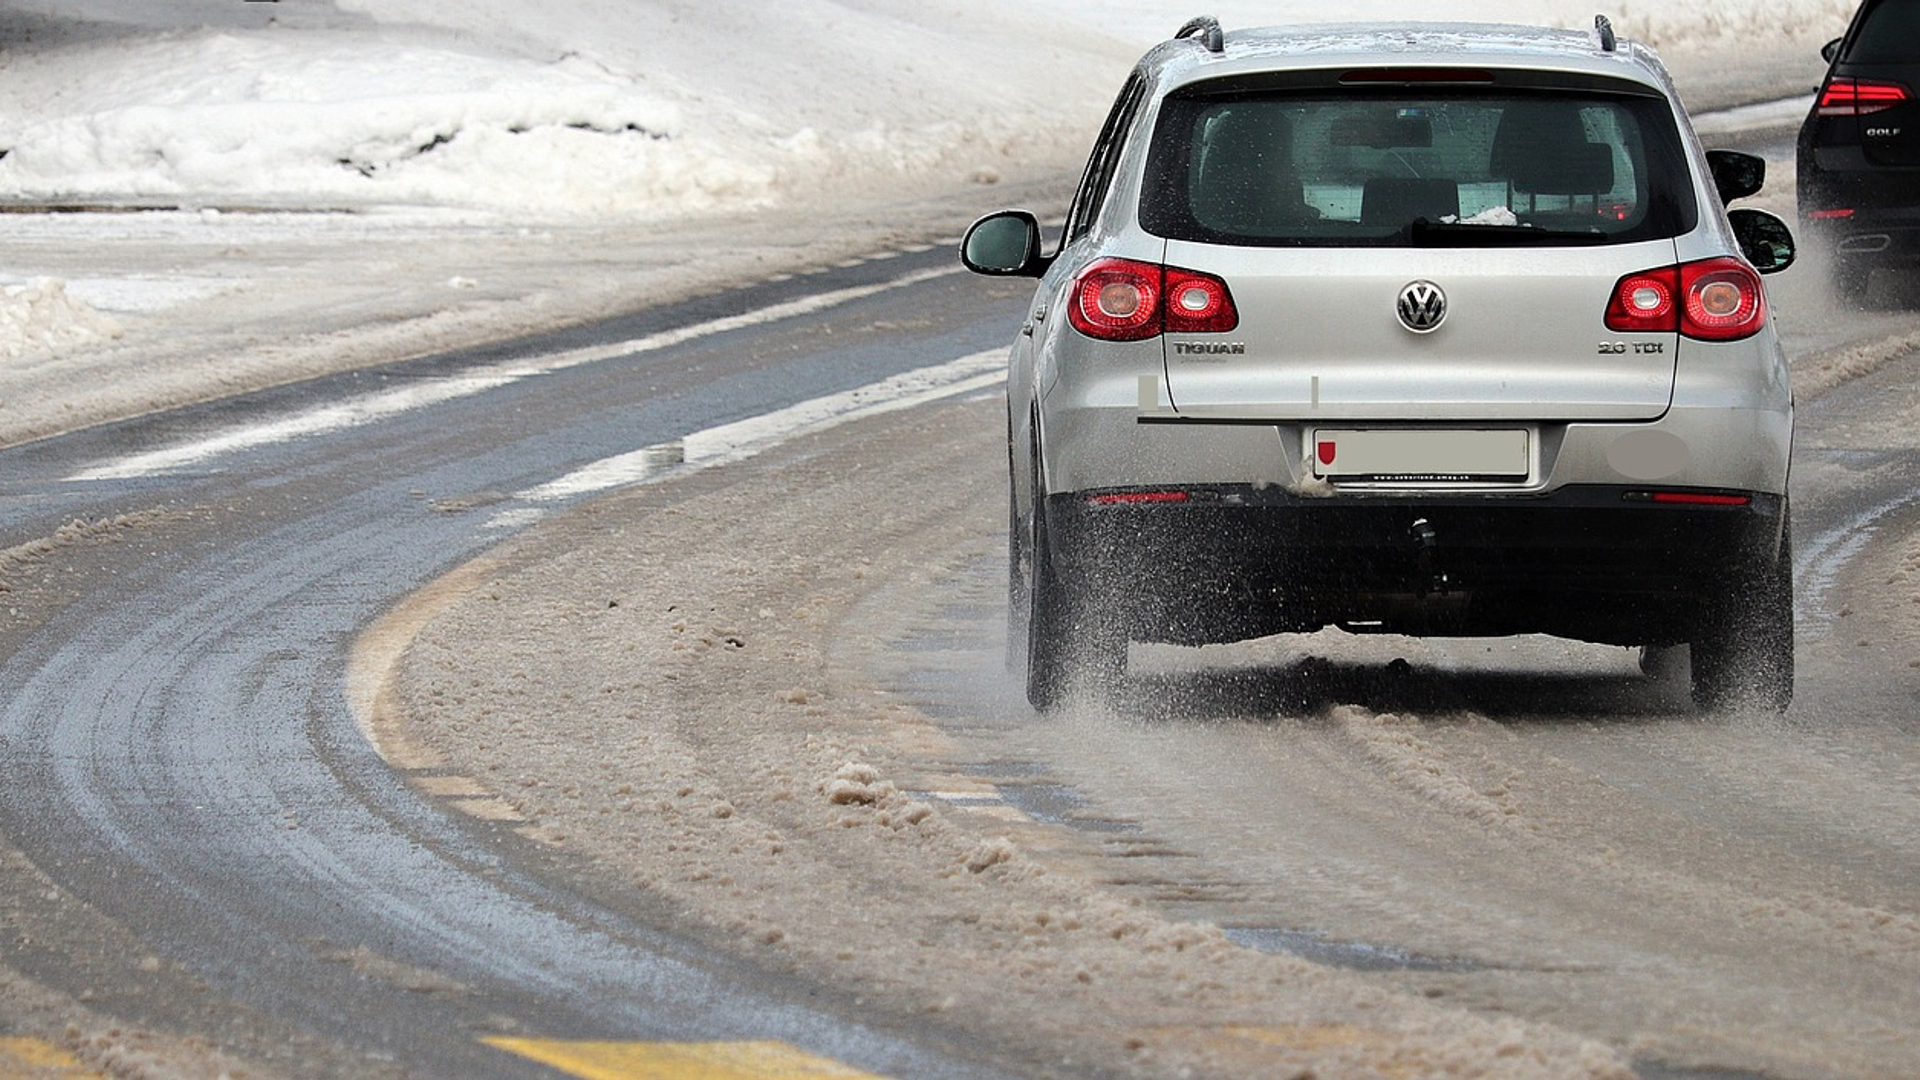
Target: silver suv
[1420, 329]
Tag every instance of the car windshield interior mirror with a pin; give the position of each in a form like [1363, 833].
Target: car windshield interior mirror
[1406, 128]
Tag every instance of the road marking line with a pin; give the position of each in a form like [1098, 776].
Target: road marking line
[743, 439]
[1762, 114]
[1308, 1036]
[761, 1060]
[363, 410]
[36, 1059]
[328, 418]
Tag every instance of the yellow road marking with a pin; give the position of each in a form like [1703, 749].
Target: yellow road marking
[1384, 1053]
[679, 1061]
[35, 1059]
[1309, 1036]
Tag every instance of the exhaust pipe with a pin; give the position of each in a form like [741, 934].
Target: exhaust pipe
[1867, 244]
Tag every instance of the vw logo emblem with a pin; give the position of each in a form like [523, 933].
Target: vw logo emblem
[1422, 307]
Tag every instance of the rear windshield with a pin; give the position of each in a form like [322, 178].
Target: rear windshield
[1890, 34]
[1445, 167]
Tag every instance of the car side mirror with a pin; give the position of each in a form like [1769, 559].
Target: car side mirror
[1830, 50]
[1736, 175]
[1006, 244]
[1764, 239]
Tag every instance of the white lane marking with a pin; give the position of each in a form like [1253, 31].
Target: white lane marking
[363, 410]
[353, 412]
[1819, 559]
[1761, 114]
[743, 439]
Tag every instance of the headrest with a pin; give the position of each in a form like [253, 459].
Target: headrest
[1396, 200]
[1577, 169]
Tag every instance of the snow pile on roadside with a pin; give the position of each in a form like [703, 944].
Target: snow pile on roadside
[310, 121]
[1734, 25]
[41, 315]
[598, 108]
[1680, 27]
[607, 107]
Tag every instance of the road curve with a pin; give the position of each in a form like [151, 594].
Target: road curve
[215, 848]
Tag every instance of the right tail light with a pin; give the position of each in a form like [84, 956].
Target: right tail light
[1847, 96]
[1710, 300]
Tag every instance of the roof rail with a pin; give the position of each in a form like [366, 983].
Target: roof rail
[1208, 28]
[1603, 30]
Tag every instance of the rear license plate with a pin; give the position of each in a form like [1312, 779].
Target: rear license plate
[1398, 455]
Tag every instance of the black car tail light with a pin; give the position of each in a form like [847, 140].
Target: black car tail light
[1710, 300]
[1847, 96]
[1127, 300]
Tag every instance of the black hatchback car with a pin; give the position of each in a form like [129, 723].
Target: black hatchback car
[1859, 152]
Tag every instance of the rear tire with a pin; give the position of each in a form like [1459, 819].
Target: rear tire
[1019, 582]
[1744, 655]
[1048, 663]
[1068, 642]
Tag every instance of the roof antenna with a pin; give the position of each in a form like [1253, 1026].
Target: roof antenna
[1603, 29]
[1209, 29]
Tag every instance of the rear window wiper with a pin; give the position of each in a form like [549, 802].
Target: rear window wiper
[1426, 233]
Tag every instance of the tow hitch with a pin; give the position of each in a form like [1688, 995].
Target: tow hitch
[1431, 579]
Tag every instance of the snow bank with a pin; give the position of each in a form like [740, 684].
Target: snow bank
[316, 120]
[40, 315]
[597, 108]
[1680, 28]
[1737, 25]
[609, 107]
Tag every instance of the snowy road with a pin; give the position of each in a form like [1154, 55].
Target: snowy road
[216, 835]
[1524, 831]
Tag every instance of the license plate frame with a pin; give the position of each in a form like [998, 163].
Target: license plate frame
[1479, 455]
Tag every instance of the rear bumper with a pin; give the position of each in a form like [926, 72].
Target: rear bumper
[1879, 239]
[1594, 563]
[1860, 209]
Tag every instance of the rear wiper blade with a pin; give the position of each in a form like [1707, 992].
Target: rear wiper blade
[1427, 233]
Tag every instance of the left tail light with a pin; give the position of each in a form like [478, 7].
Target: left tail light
[1127, 300]
[1710, 300]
